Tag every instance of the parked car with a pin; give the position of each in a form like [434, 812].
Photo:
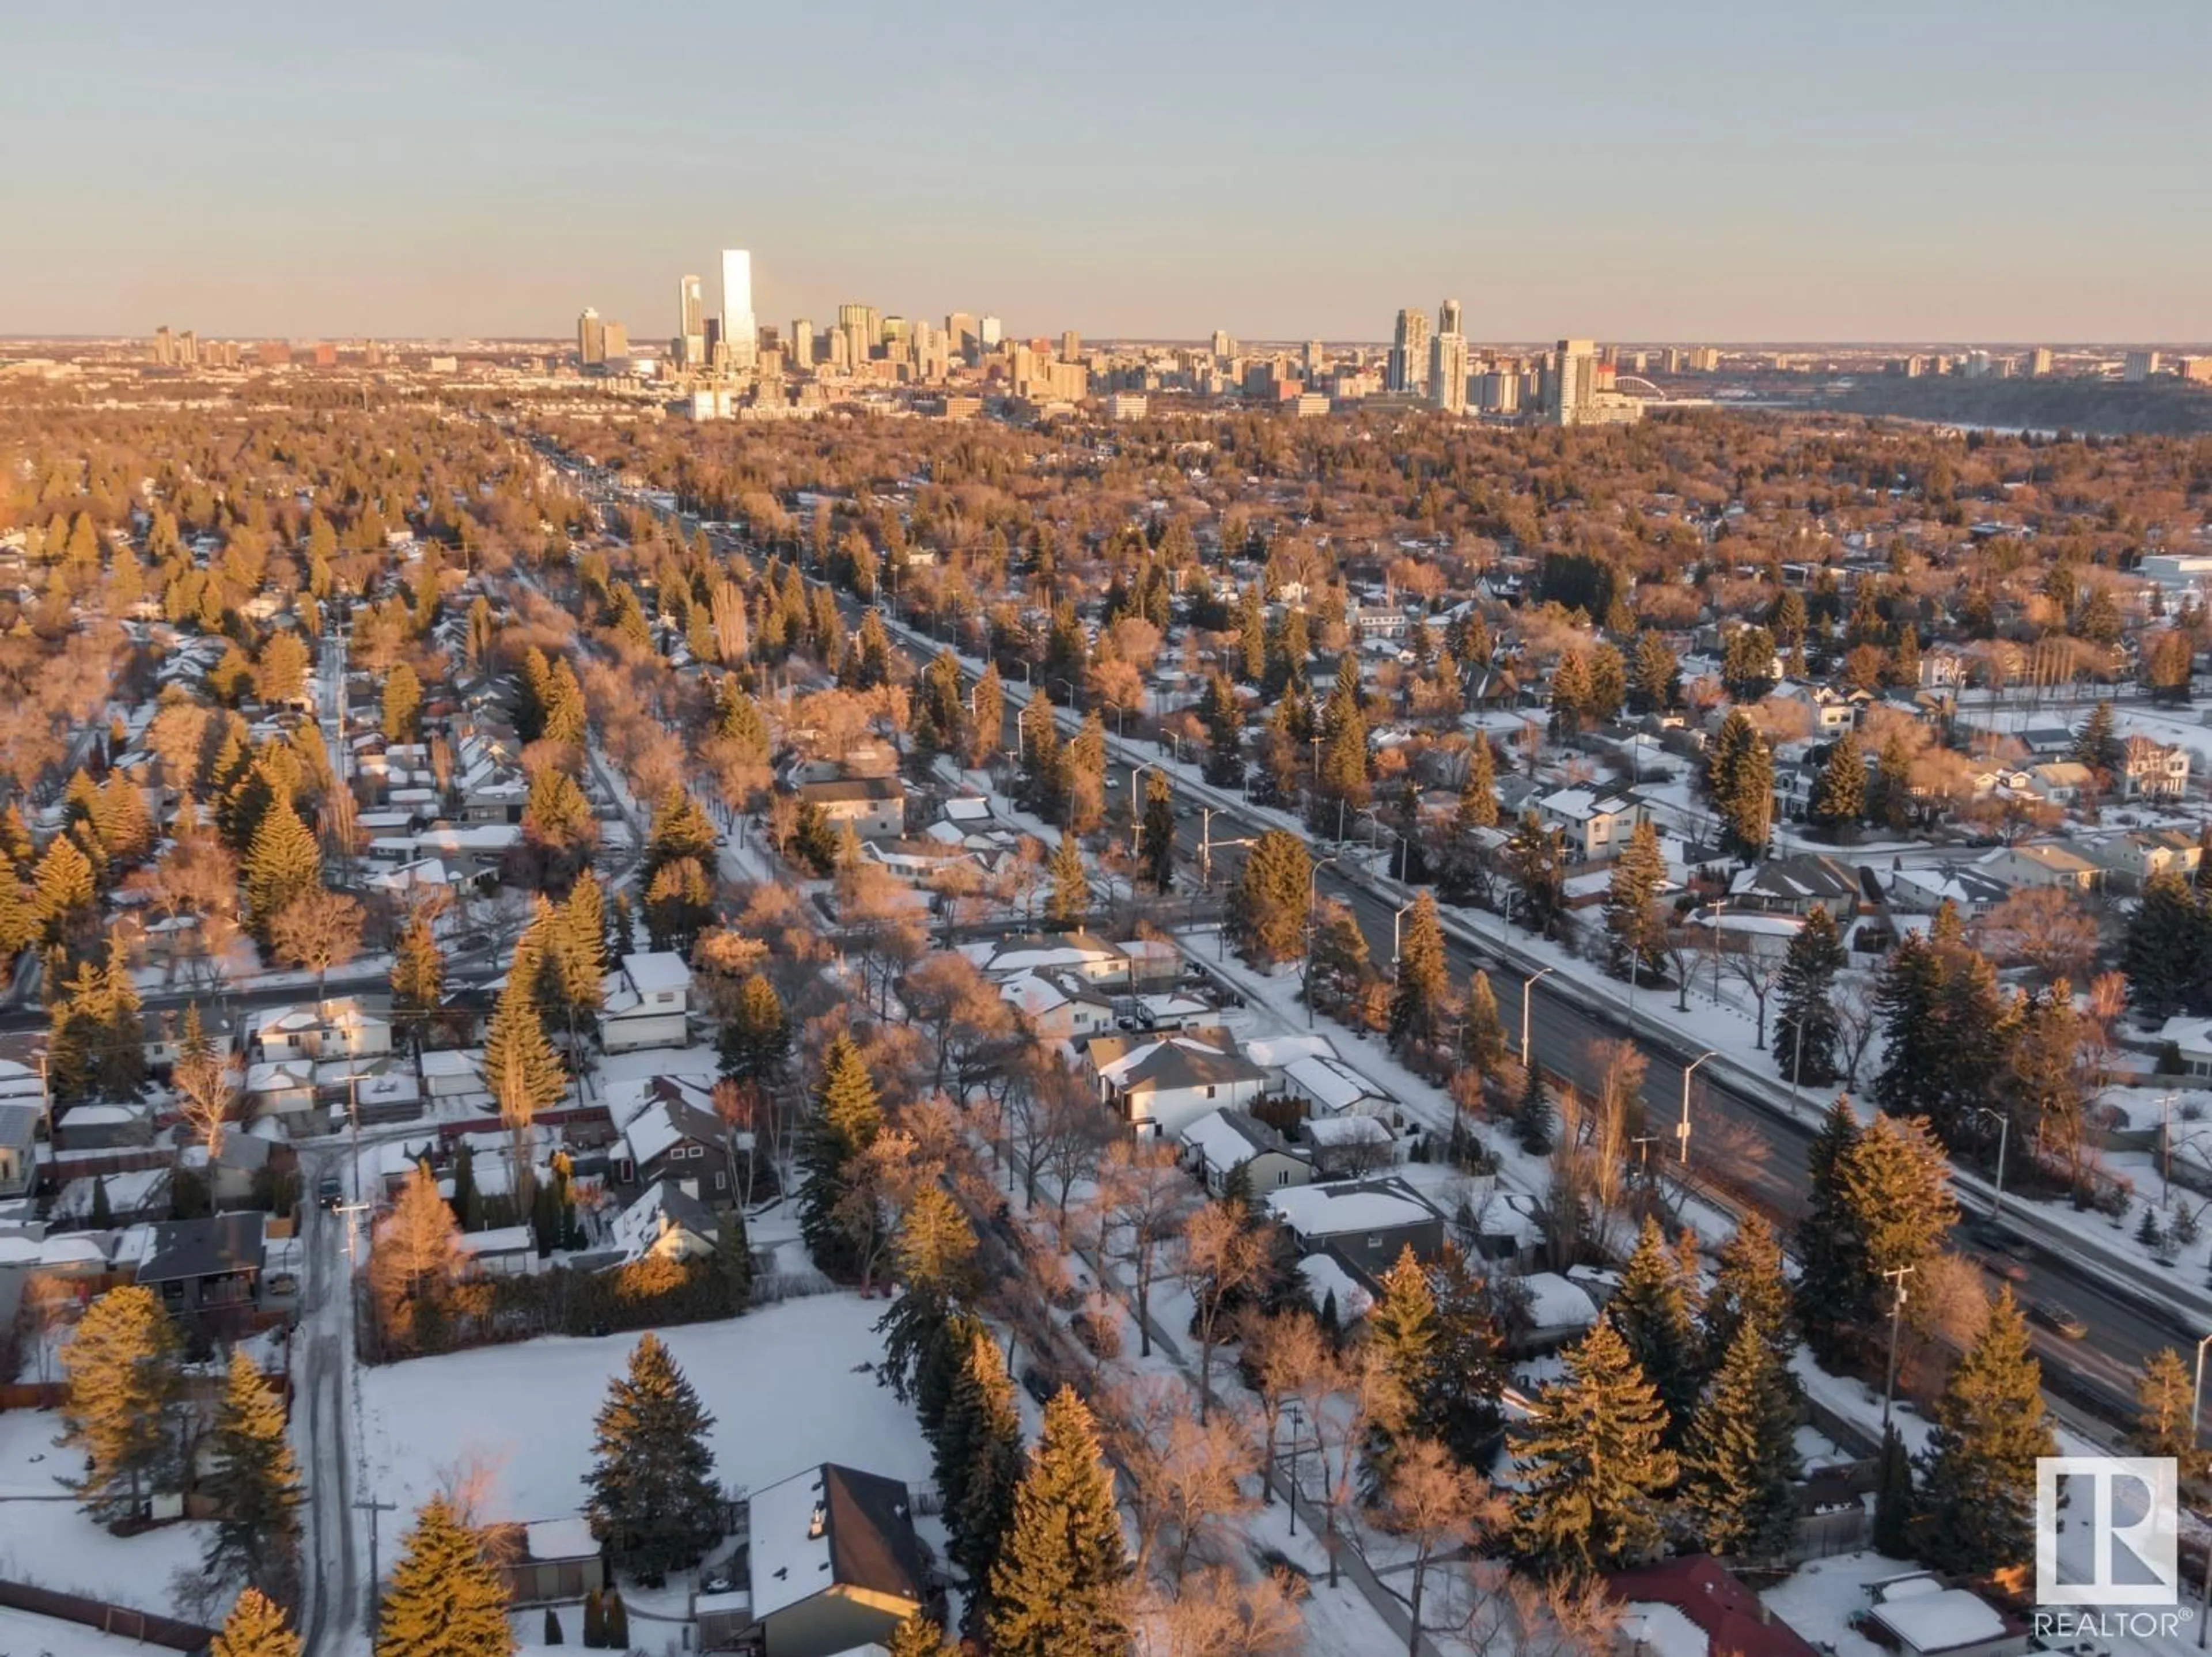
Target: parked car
[330, 1191]
[1037, 1384]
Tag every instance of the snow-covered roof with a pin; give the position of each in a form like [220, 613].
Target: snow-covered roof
[1337, 1130]
[1662, 1630]
[1331, 1083]
[1277, 1051]
[1555, 1302]
[1226, 1138]
[653, 971]
[827, 1526]
[1323, 1210]
[1323, 1276]
[560, 1538]
[1930, 1618]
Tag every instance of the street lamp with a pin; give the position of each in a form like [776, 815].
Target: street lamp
[1528, 985]
[1896, 1312]
[1682, 1128]
[1397, 917]
[1136, 814]
[2005, 1136]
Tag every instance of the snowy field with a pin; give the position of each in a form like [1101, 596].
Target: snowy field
[51, 1543]
[780, 1382]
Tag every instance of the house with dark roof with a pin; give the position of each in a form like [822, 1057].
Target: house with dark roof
[1796, 886]
[208, 1269]
[1160, 1085]
[875, 806]
[834, 1561]
[1669, 1605]
[19, 1146]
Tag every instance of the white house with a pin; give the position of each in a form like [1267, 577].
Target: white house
[1592, 822]
[1332, 1087]
[647, 996]
[1161, 1084]
[1220, 1142]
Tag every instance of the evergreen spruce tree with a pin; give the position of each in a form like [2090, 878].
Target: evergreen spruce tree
[1060, 1587]
[2164, 950]
[255, 1628]
[1740, 780]
[979, 1468]
[1593, 1464]
[1070, 886]
[1268, 905]
[1805, 1032]
[1739, 1484]
[595, 1622]
[1402, 1333]
[1532, 1119]
[1895, 1501]
[1418, 1003]
[1223, 716]
[522, 1072]
[845, 1121]
[1633, 926]
[1833, 1288]
[418, 977]
[254, 1485]
[755, 1039]
[1484, 1045]
[1896, 1183]
[1655, 1310]
[1839, 793]
[61, 887]
[654, 1500]
[1977, 1473]
[282, 863]
[2098, 745]
[917, 1636]
[1158, 835]
[1749, 1291]
[2163, 1396]
[124, 1370]
[444, 1600]
[934, 1259]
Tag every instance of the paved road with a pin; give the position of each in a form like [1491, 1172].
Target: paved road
[322, 1421]
[1740, 1141]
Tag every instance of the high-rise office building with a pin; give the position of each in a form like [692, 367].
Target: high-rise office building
[1570, 384]
[165, 347]
[591, 338]
[960, 337]
[2039, 361]
[1071, 346]
[988, 332]
[1317, 359]
[1408, 369]
[1225, 347]
[1448, 361]
[740, 332]
[691, 305]
[614, 341]
[2139, 366]
[802, 343]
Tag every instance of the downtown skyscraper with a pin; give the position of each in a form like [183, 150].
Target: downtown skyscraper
[1448, 361]
[740, 330]
[691, 322]
[1408, 367]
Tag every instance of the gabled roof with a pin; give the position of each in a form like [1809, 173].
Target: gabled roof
[1174, 1062]
[1711, 1597]
[833, 1527]
[183, 1249]
[1337, 1210]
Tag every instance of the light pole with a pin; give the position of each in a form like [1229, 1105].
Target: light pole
[1528, 985]
[1297, 1420]
[2165, 1149]
[2196, 1393]
[1683, 1127]
[1397, 947]
[1313, 931]
[1136, 814]
[1896, 1312]
[2004, 1137]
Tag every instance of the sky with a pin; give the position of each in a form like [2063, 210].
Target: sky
[1725, 170]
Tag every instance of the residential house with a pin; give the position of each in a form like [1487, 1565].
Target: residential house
[2191, 1039]
[550, 1561]
[1796, 885]
[104, 1125]
[647, 1003]
[2044, 862]
[1330, 1087]
[1059, 1005]
[1220, 1142]
[1695, 1606]
[2130, 860]
[1559, 1311]
[1593, 823]
[164, 1030]
[1922, 1615]
[2060, 782]
[1967, 887]
[281, 1088]
[1365, 1224]
[1093, 959]
[2150, 770]
[1346, 1147]
[874, 806]
[663, 1220]
[677, 1136]
[19, 1147]
[835, 1562]
[207, 1269]
[1160, 1085]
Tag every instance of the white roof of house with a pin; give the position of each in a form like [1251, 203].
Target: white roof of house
[452, 1061]
[1936, 1618]
[1277, 1051]
[967, 808]
[1347, 1131]
[1215, 1137]
[1331, 1083]
[1320, 1211]
[654, 970]
[500, 1240]
[1555, 1302]
[1662, 1630]
[560, 1538]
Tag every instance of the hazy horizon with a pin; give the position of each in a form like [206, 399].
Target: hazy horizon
[1715, 172]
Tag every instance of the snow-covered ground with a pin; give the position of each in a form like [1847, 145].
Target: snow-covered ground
[785, 1385]
[52, 1544]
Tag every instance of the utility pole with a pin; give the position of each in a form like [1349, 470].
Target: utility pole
[349, 1210]
[1896, 1313]
[374, 1507]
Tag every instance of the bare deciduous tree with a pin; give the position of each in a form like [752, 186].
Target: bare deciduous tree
[316, 932]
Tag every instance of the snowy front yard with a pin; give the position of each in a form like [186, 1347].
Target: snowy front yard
[51, 1543]
[516, 1421]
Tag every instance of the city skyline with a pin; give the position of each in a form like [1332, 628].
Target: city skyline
[1727, 174]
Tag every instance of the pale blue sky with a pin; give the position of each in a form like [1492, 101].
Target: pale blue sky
[1688, 169]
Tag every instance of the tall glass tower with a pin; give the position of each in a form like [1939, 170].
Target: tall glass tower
[740, 333]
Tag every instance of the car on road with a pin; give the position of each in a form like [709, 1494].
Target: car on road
[330, 1190]
[1999, 1264]
[2001, 1239]
[2059, 1319]
[1037, 1384]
